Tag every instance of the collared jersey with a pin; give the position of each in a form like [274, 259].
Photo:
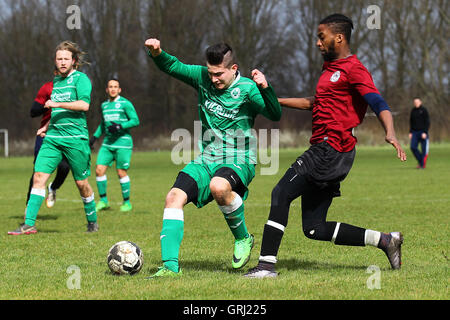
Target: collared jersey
[120, 111]
[227, 115]
[68, 125]
[339, 105]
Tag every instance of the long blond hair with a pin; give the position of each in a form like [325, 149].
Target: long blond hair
[77, 53]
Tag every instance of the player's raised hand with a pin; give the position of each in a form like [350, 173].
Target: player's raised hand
[259, 78]
[154, 45]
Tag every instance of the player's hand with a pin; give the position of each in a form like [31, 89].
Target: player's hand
[92, 141]
[424, 135]
[259, 78]
[154, 45]
[115, 127]
[400, 153]
[41, 132]
[51, 104]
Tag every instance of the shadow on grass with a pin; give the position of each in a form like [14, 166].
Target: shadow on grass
[40, 217]
[290, 264]
[296, 264]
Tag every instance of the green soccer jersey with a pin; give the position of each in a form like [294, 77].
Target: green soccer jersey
[67, 126]
[227, 115]
[120, 111]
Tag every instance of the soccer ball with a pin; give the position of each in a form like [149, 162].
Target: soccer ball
[125, 257]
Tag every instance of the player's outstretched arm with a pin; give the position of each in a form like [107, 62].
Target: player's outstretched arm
[297, 103]
[387, 122]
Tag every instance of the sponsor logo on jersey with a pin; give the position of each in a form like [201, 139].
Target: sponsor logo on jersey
[58, 97]
[335, 77]
[219, 110]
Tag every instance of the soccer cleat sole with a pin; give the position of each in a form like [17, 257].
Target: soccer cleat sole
[13, 233]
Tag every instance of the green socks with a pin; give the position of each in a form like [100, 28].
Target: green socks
[171, 237]
[89, 208]
[125, 186]
[234, 215]
[101, 187]
[37, 196]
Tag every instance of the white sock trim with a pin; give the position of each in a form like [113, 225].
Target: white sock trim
[276, 225]
[336, 230]
[173, 214]
[102, 178]
[124, 179]
[270, 259]
[372, 238]
[233, 206]
[38, 192]
[88, 199]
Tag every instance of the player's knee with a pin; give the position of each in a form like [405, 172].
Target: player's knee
[220, 189]
[176, 198]
[100, 171]
[39, 180]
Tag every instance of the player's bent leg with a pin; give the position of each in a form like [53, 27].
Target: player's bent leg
[232, 207]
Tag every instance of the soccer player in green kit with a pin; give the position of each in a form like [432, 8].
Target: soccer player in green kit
[118, 117]
[67, 135]
[228, 104]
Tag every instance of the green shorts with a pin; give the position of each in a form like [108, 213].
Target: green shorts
[122, 156]
[202, 173]
[78, 155]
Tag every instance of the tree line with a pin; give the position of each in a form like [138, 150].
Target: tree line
[407, 53]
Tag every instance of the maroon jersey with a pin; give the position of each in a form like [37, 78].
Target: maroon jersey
[339, 105]
[42, 97]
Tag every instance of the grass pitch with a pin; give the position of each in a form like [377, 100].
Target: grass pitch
[380, 193]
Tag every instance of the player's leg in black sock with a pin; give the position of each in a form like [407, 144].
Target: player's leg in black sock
[61, 174]
[290, 187]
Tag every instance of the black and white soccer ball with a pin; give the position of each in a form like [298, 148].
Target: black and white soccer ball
[125, 257]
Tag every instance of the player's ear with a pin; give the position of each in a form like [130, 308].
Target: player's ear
[339, 38]
[234, 67]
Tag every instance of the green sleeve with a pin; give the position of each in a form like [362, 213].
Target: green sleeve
[84, 89]
[189, 74]
[133, 119]
[266, 102]
[100, 130]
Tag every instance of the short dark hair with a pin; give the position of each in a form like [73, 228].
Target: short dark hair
[218, 53]
[339, 23]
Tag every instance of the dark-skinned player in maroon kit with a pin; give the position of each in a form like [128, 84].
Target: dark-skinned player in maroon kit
[343, 93]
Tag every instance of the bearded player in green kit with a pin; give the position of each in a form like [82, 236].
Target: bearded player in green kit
[228, 104]
[67, 135]
[118, 117]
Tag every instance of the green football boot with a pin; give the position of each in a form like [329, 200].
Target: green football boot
[242, 251]
[102, 205]
[164, 272]
[126, 206]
